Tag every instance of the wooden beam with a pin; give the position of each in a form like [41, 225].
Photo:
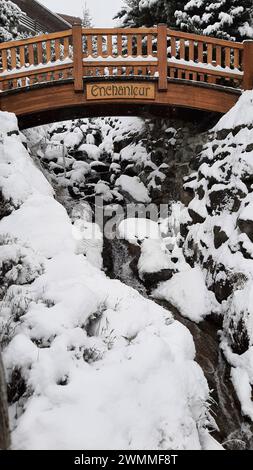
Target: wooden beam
[162, 56]
[248, 65]
[77, 56]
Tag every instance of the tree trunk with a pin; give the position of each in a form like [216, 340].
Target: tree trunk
[4, 421]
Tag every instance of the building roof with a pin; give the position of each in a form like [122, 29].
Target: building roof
[70, 19]
[38, 17]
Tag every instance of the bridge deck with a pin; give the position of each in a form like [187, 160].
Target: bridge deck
[182, 69]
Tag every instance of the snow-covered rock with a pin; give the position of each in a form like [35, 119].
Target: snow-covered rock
[133, 186]
[188, 292]
[222, 242]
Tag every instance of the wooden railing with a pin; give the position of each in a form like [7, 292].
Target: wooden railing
[144, 52]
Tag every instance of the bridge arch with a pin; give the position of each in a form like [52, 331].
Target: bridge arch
[61, 102]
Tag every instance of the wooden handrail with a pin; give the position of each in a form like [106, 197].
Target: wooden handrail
[149, 52]
[125, 32]
[35, 39]
[115, 31]
[206, 39]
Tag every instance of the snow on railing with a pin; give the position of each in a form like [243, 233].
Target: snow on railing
[144, 52]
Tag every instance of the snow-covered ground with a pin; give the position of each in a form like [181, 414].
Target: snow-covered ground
[90, 363]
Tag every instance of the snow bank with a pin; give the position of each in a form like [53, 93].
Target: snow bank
[240, 114]
[103, 367]
[8, 123]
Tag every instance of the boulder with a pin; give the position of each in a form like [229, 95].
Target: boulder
[246, 226]
[80, 155]
[225, 198]
[151, 280]
[196, 218]
[219, 236]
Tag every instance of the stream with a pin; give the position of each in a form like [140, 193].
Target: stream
[235, 431]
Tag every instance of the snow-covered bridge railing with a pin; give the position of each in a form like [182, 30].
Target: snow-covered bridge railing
[143, 52]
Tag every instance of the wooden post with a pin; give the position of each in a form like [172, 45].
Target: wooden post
[162, 57]
[77, 56]
[248, 65]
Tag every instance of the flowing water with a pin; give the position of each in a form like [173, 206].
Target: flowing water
[235, 432]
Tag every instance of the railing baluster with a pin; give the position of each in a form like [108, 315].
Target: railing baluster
[139, 45]
[40, 53]
[89, 45]
[66, 47]
[227, 57]
[57, 49]
[182, 49]
[173, 47]
[109, 45]
[13, 57]
[119, 44]
[22, 56]
[129, 44]
[149, 45]
[4, 59]
[200, 52]
[209, 53]
[99, 45]
[31, 54]
[48, 51]
[218, 55]
[191, 50]
[236, 58]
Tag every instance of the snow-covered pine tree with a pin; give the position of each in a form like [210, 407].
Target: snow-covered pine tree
[9, 18]
[87, 19]
[149, 12]
[228, 19]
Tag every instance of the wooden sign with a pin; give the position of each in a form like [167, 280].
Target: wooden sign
[120, 90]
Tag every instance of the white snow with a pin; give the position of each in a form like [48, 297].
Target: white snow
[43, 224]
[35, 68]
[240, 114]
[188, 292]
[89, 241]
[92, 150]
[217, 68]
[133, 186]
[136, 230]
[154, 256]
[120, 58]
[8, 123]
[104, 367]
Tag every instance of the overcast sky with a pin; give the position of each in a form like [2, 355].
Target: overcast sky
[102, 11]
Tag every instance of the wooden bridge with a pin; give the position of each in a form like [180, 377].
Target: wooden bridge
[97, 72]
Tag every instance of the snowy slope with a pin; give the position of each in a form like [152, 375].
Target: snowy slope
[220, 236]
[90, 363]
